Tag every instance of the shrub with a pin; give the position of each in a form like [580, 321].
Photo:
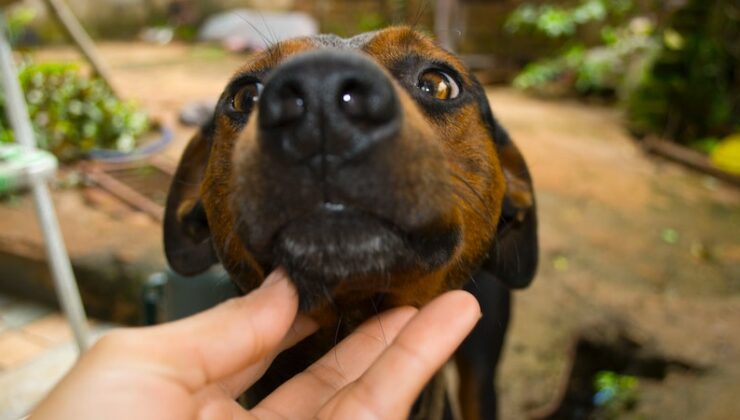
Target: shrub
[603, 69]
[692, 90]
[679, 80]
[615, 394]
[73, 114]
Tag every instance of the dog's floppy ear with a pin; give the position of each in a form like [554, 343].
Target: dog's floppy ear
[187, 238]
[514, 252]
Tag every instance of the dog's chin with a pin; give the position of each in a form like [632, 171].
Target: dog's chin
[336, 246]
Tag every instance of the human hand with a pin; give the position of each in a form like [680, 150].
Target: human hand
[194, 368]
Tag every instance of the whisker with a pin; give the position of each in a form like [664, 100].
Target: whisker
[474, 282]
[471, 188]
[419, 14]
[380, 322]
[476, 209]
[336, 341]
[329, 298]
[253, 26]
[270, 32]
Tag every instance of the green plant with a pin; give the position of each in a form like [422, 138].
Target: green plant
[691, 91]
[17, 21]
[73, 114]
[615, 394]
[605, 69]
[678, 80]
[602, 69]
[557, 22]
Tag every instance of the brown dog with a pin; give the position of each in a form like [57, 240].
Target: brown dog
[373, 170]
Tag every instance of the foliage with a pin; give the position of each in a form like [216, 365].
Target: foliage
[604, 69]
[615, 393]
[17, 21]
[73, 114]
[557, 22]
[679, 80]
[692, 91]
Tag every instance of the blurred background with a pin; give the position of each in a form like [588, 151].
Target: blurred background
[627, 112]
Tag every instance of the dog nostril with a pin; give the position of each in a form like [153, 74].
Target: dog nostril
[292, 106]
[370, 103]
[352, 103]
[282, 104]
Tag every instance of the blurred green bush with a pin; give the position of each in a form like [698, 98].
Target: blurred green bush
[691, 92]
[615, 394]
[73, 114]
[559, 21]
[625, 44]
[678, 79]
[17, 21]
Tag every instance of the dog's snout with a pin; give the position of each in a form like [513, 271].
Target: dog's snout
[326, 108]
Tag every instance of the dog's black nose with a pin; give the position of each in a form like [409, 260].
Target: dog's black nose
[325, 108]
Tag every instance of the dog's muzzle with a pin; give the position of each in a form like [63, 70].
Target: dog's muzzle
[341, 186]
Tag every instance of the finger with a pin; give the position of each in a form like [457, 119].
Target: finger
[303, 395]
[235, 385]
[224, 409]
[392, 383]
[216, 343]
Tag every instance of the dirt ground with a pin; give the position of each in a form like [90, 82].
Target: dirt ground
[628, 241]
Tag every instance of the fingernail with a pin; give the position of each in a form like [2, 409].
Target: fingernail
[274, 277]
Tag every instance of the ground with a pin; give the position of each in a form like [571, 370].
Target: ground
[628, 242]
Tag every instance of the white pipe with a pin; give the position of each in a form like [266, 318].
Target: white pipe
[61, 268]
[15, 104]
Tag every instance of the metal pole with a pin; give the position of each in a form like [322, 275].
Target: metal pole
[15, 104]
[81, 39]
[61, 268]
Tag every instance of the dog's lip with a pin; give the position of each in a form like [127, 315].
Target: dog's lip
[336, 209]
[324, 211]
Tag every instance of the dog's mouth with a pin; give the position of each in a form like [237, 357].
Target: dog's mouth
[338, 247]
[338, 241]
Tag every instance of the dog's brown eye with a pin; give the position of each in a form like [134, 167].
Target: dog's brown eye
[246, 97]
[439, 85]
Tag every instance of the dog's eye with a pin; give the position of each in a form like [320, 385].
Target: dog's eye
[439, 85]
[246, 97]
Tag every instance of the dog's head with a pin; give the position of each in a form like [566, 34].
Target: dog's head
[364, 166]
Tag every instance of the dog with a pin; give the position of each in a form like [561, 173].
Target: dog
[372, 169]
